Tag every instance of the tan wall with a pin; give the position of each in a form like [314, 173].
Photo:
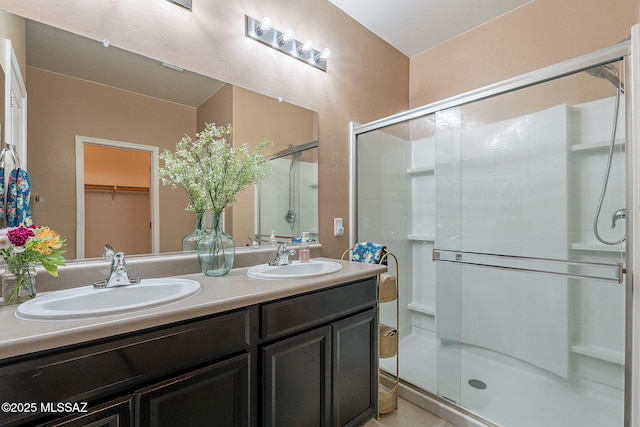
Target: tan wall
[218, 109]
[366, 78]
[61, 108]
[538, 34]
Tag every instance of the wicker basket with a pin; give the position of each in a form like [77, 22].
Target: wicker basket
[387, 399]
[387, 288]
[388, 341]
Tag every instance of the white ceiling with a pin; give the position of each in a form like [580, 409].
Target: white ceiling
[413, 26]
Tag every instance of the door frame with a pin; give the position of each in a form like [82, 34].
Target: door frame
[154, 200]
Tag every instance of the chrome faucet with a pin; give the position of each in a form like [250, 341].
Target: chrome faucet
[118, 276]
[282, 256]
[619, 214]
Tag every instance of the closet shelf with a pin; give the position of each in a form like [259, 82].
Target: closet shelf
[104, 187]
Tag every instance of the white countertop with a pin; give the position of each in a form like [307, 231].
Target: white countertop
[218, 294]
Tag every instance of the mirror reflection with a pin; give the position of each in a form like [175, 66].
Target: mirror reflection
[85, 93]
[288, 201]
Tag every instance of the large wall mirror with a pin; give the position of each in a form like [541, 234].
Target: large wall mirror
[86, 95]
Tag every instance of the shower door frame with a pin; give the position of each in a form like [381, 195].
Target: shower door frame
[629, 51]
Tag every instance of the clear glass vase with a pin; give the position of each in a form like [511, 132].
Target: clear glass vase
[190, 241]
[216, 250]
[19, 283]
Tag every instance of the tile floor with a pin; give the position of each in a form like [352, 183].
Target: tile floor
[408, 415]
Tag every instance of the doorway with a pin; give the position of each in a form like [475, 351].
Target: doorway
[116, 191]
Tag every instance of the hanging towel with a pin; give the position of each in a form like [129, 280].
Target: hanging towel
[18, 206]
[2, 205]
[369, 252]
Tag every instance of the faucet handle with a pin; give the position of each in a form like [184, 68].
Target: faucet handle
[108, 251]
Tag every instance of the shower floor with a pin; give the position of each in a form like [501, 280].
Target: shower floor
[517, 394]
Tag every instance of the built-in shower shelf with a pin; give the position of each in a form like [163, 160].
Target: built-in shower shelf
[421, 171]
[601, 353]
[597, 247]
[420, 308]
[595, 145]
[421, 238]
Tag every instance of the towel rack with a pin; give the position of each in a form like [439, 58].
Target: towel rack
[617, 269]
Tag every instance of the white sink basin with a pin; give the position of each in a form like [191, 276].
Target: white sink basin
[295, 270]
[88, 302]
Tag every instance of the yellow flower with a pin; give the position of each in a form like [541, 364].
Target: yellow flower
[46, 240]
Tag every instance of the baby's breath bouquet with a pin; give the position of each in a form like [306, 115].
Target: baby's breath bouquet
[213, 172]
[224, 170]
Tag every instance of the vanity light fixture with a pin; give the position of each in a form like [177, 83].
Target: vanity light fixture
[183, 3]
[285, 42]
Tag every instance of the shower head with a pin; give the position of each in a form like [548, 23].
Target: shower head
[607, 72]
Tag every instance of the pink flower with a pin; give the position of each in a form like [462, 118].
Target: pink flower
[19, 236]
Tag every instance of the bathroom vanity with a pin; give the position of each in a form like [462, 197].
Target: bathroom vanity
[242, 352]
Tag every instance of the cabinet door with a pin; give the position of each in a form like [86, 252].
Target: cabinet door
[217, 395]
[355, 369]
[296, 380]
[113, 414]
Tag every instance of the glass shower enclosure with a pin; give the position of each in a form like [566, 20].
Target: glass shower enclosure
[506, 208]
[287, 202]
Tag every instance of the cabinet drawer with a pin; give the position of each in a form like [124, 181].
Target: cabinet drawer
[282, 317]
[101, 369]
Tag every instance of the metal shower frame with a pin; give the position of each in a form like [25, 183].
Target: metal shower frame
[627, 50]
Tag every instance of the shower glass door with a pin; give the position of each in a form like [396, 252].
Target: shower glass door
[288, 199]
[529, 252]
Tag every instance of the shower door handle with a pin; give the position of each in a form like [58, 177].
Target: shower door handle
[467, 258]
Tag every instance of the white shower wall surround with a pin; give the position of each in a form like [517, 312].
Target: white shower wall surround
[274, 199]
[544, 170]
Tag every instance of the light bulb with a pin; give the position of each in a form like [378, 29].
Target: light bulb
[324, 55]
[264, 26]
[285, 37]
[306, 46]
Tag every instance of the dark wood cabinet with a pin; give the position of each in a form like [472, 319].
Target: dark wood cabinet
[325, 376]
[355, 369]
[296, 388]
[305, 360]
[215, 395]
[117, 413]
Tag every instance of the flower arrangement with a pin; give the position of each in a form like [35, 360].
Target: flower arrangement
[211, 170]
[23, 246]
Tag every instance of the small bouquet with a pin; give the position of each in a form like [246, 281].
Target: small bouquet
[23, 246]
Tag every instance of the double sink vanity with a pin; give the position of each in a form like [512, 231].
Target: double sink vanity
[262, 346]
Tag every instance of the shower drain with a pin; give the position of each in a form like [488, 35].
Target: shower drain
[480, 385]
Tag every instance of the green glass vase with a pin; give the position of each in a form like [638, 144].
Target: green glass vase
[216, 250]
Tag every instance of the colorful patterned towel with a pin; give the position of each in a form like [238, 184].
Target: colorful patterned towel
[369, 252]
[18, 206]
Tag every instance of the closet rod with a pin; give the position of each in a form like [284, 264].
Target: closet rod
[115, 188]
